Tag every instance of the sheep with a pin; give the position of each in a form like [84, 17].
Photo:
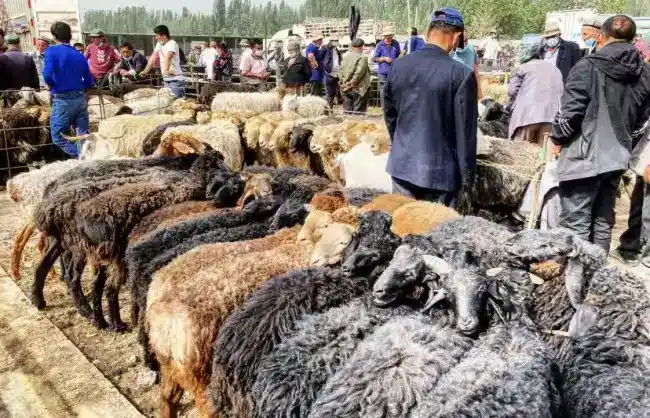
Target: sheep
[388, 203]
[256, 102]
[95, 223]
[292, 375]
[151, 142]
[284, 154]
[208, 91]
[361, 168]
[420, 217]
[391, 370]
[27, 191]
[305, 106]
[605, 370]
[222, 136]
[21, 135]
[139, 94]
[152, 105]
[185, 358]
[104, 107]
[238, 353]
[121, 136]
[508, 373]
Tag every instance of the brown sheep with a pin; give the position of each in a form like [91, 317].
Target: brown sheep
[189, 299]
[419, 217]
[388, 203]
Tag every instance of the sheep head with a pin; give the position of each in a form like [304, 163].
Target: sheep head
[315, 224]
[257, 186]
[372, 247]
[329, 249]
[300, 138]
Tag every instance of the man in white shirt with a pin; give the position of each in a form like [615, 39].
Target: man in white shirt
[253, 65]
[207, 59]
[491, 49]
[170, 62]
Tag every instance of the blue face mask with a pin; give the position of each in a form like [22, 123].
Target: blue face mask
[590, 43]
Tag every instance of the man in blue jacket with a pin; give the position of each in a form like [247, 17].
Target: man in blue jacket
[415, 43]
[430, 109]
[386, 53]
[66, 72]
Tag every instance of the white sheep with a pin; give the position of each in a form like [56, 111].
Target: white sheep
[221, 135]
[360, 167]
[156, 104]
[305, 106]
[254, 102]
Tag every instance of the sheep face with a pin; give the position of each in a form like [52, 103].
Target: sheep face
[315, 224]
[300, 138]
[329, 249]
[257, 186]
[404, 272]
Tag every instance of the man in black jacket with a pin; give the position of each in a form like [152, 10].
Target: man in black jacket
[19, 70]
[603, 115]
[331, 64]
[564, 54]
[431, 111]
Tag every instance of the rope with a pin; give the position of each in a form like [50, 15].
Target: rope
[508, 169]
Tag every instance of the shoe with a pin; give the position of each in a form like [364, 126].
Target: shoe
[630, 258]
[646, 262]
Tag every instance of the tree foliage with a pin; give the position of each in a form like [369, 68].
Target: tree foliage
[512, 18]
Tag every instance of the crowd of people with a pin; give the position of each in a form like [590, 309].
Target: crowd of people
[593, 105]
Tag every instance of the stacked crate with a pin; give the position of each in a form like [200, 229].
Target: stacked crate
[369, 28]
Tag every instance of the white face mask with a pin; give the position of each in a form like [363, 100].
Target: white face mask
[552, 42]
[257, 53]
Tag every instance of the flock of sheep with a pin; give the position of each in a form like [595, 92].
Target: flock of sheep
[277, 290]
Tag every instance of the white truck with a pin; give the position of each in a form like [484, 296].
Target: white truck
[31, 19]
[570, 22]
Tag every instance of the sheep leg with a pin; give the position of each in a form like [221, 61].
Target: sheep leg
[40, 246]
[97, 318]
[112, 295]
[79, 300]
[54, 250]
[20, 240]
[170, 393]
[66, 263]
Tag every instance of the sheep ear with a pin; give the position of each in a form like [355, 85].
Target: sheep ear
[436, 264]
[308, 207]
[582, 320]
[182, 148]
[76, 138]
[435, 296]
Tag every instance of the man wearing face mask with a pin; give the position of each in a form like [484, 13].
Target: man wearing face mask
[102, 57]
[564, 54]
[39, 58]
[331, 63]
[603, 115]
[590, 30]
[253, 66]
[298, 70]
[431, 113]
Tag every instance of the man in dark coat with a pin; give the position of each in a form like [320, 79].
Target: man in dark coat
[431, 111]
[19, 70]
[603, 115]
[564, 54]
[331, 64]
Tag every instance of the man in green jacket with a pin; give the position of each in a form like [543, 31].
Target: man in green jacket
[354, 76]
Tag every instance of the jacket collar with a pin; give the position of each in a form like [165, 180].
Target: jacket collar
[435, 48]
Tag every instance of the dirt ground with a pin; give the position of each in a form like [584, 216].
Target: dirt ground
[118, 356]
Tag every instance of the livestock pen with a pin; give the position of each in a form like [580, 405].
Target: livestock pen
[241, 213]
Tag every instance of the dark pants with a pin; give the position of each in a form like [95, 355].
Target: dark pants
[315, 88]
[588, 207]
[331, 89]
[380, 86]
[68, 109]
[638, 223]
[444, 197]
[354, 103]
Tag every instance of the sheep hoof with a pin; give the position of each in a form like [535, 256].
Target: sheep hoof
[39, 303]
[98, 322]
[117, 327]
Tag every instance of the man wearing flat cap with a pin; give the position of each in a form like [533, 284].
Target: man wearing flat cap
[386, 53]
[355, 79]
[17, 69]
[430, 109]
[39, 58]
[589, 36]
[102, 57]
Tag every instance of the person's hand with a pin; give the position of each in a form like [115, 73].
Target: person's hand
[646, 174]
[380, 59]
[170, 73]
[554, 149]
[388, 59]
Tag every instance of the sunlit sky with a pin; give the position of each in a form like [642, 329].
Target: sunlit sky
[194, 6]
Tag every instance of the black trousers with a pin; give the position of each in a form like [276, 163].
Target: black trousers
[444, 197]
[315, 88]
[588, 207]
[355, 104]
[638, 223]
[332, 90]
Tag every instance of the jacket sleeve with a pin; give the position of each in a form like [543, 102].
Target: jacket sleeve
[390, 107]
[88, 77]
[516, 80]
[465, 121]
[306, 70]
[360, 69]
[573, 105]
[576, 54]
[48, 69]
[140, 63]
[642, 123]
[34, 81]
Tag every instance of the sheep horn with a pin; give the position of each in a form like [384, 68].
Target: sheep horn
[493, 271]
[434, 297]
[436, 264]
[556, 333]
